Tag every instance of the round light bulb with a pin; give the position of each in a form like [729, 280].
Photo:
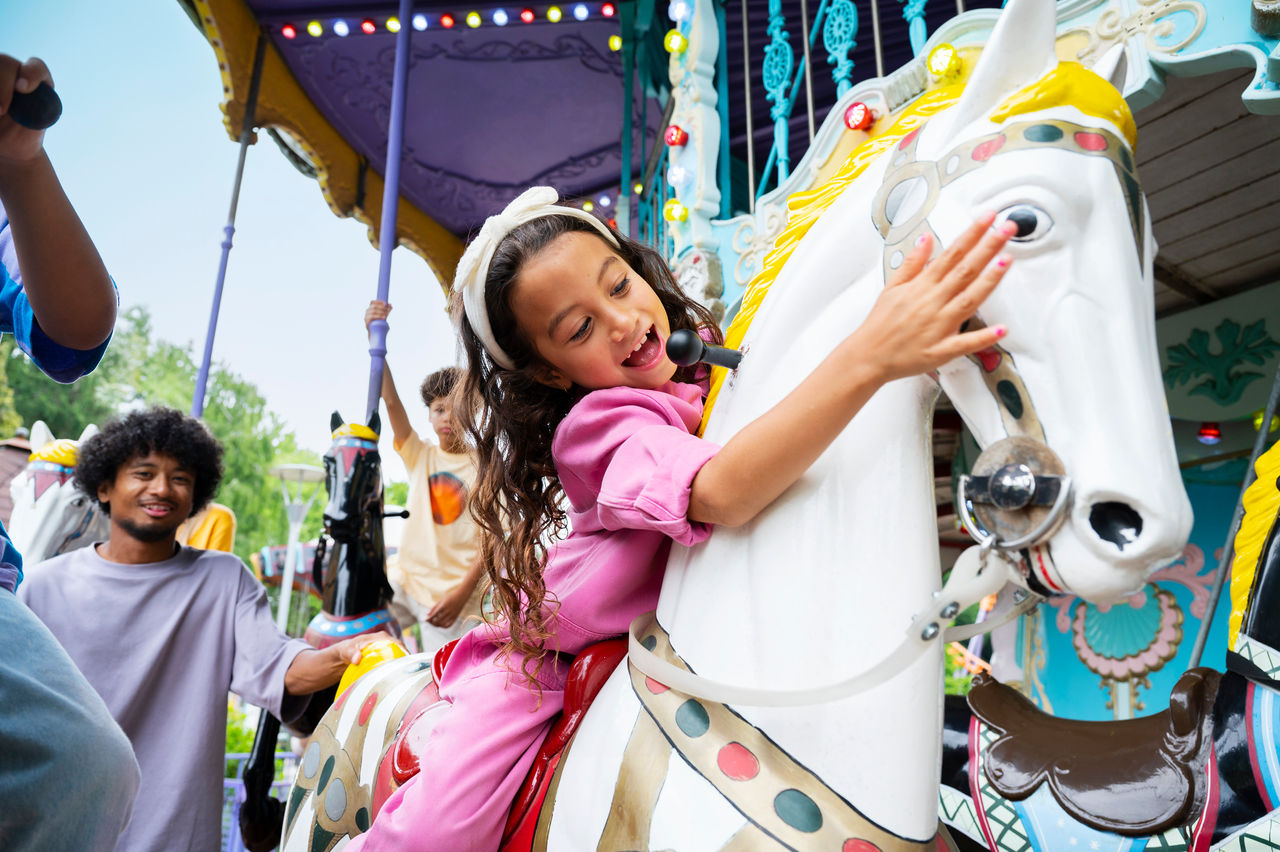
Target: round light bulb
[446, 21]
[679, 11]
[341, 28]
[500, 17]
[527, 15]
[605, 201]
[315, 29]
[473, 19]
[419, 22]
[674, 211]
[580, 12]
[615, 43]
[608, 10]
[639, 188]
[554, 14]
[588, 206]
[368, 27]
[944, 61]
[289, 31]
[393, 25]
[677, 175]
[675, 42]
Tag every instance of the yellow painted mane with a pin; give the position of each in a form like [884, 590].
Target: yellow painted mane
[1261, 504]
[1069, 83]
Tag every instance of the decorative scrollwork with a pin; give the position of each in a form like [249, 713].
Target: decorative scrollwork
[1153, 21]
[779, 62]
[838, 34]
[913, 14]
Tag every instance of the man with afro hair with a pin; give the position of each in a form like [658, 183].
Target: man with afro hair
[163, 632]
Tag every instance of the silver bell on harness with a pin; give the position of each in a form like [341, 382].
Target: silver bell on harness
[1016, 497]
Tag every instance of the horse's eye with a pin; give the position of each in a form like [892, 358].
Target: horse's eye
[79, 501]
[1033, 223]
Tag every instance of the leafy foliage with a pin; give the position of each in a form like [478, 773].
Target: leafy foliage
[1225, 377]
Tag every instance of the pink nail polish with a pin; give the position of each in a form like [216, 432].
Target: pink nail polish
[920, 239]
[1001, 331]
[1002, 262]
[1009, 228]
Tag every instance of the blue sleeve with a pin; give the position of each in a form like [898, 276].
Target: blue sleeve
[60, 363]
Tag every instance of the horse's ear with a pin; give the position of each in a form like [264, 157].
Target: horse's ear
[335, 422]
[375, 423]
[1114, 67]
[89, 432]
[40, 434]
[1019, 52]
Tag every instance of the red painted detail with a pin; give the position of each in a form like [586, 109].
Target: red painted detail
[1091, 141]
[587, 676]
[906, 140]
[342, 699]
[441, 659]
[1202, 833]
[45, 479]
[366, 709]
[1043, 572]
[400, 760]
[990, 358]
[974, 768]
[940, 844]
[655, 687]
[737, 762]
[987, 149]
[855, 844]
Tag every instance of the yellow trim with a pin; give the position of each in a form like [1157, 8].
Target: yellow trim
[232, 31]
[1261, 504]
[60, 451]
[1071, 84]
[355, 430]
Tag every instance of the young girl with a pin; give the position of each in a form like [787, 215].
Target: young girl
[565, 323]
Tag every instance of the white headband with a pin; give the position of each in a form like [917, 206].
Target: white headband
[473, 269]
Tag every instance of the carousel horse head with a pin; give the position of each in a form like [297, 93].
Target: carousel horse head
[1078, 480]
[353, 579]
[49, 515]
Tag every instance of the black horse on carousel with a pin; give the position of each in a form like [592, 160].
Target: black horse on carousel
[350, 571]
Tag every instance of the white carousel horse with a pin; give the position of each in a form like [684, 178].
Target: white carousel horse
[49, 515]
[832, 576]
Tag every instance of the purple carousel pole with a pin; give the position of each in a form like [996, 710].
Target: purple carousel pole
[246, 137]
[390, 199]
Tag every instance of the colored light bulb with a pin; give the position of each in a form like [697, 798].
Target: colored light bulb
[639, 188]
[858, 116]
[679, 11]
[500, 17]
[340, 28]
[608, 10]
[393, 25]
[588, 206]
[315, 29]
[419, 22]
[368, 27]
[289, 31]
[676, 136]
[675, 42]
[446, 21]
[580, 12]
[473, 19]
[527, 16]
[554, 14]
[605, 201]
[678, 175]
[615, 43]
[1210, 433]
[944, 61]
[674, 211]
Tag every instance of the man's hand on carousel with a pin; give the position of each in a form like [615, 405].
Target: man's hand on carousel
[19, 145]
[446, 610]
[313, 670]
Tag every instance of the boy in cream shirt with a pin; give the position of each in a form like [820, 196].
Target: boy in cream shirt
[436, 571]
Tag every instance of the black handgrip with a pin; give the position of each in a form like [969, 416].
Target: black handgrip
[685, 348]
[38, 109]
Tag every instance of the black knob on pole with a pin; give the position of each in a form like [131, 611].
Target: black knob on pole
[37, 109]
[686, 348]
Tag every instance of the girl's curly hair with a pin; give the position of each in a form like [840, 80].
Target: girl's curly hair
[140, 433]
[512, 420]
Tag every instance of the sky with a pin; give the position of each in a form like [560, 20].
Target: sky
[142, 153]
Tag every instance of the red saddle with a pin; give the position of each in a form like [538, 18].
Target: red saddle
[587, 675]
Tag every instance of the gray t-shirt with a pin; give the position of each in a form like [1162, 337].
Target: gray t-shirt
[162, 643]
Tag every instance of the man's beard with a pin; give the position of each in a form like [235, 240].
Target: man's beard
[149, 534]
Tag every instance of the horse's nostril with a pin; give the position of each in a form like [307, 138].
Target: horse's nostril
[1117, 523]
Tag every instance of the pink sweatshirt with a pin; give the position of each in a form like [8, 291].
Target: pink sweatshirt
[627, 459]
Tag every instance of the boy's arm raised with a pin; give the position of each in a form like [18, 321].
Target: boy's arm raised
[911, 329]
[400, 426]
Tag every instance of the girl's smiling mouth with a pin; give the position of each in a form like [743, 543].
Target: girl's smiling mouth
[647, 352]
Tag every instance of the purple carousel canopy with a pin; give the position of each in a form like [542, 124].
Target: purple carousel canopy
[492, 109]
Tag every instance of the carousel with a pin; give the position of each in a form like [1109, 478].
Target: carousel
[1077, 505]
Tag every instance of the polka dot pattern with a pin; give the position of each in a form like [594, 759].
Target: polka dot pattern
[798, 810]
[988, 149]
[693, 719]
[737, 762]
[366, 709]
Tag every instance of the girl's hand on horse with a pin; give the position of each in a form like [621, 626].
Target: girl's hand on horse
[914, 326]
[17, 143]
[377, 310]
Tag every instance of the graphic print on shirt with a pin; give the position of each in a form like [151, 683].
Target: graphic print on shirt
[448, 497]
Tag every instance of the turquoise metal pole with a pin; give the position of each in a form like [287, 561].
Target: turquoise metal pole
[627, 14]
